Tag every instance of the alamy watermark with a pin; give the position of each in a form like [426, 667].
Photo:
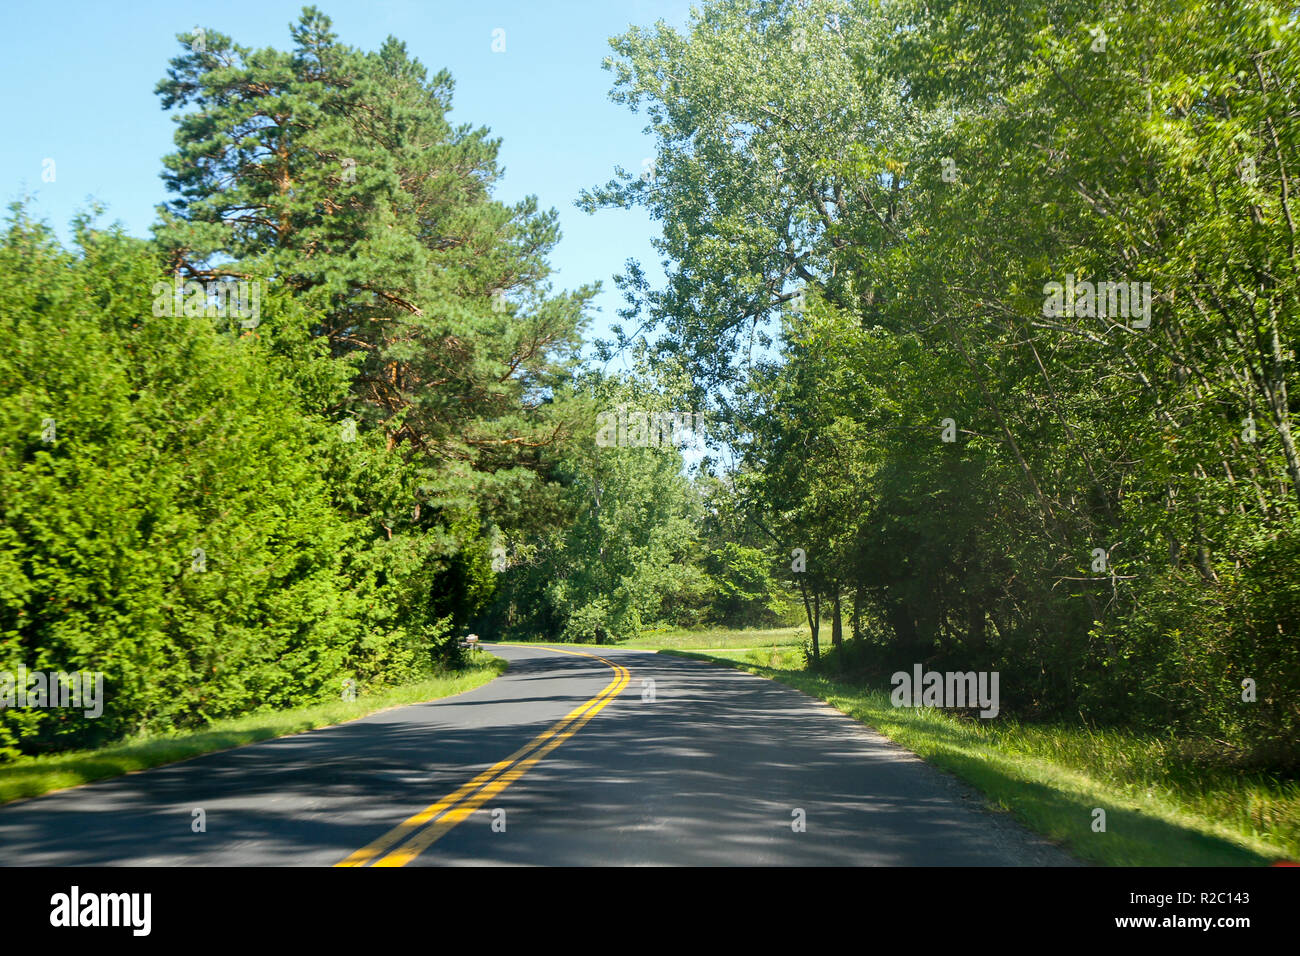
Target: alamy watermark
[1105, 299]
[83, 689]
[645, 429]
[951, 689]
[75, 908]
[219, 298]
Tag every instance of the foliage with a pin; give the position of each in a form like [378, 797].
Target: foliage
[864, 207]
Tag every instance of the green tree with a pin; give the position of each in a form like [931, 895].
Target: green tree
[335, 174]
[164, 521]
[925, 172]
[627, 555]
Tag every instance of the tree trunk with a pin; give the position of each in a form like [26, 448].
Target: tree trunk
[837, 628]
[813, 612]
[816, 628]
[856, 621]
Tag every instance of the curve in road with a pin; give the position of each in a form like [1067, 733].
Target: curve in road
[552, 763]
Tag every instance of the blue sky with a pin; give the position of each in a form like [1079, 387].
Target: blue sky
[79, 79]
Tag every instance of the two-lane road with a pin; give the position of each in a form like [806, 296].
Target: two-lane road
[567, 759]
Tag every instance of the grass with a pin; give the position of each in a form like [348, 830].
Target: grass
[713, 638]
[1166, 802]
[680, 638]
[33, 776]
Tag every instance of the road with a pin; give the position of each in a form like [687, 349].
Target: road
[680, 762]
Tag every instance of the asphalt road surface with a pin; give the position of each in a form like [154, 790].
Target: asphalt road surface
[567, 759]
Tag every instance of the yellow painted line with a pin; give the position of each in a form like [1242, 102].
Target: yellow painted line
[431, 834]
[400, 832]
[372, 850]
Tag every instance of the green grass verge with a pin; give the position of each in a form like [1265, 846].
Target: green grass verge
[33, 776]
[709, 638]
[1166, 803]
[680, 638]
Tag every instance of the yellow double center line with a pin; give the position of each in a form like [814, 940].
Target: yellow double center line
[424, 828]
